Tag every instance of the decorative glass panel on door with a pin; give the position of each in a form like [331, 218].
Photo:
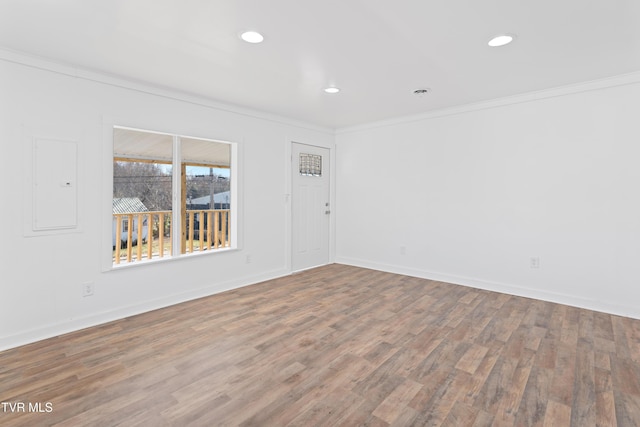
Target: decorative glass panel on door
[310, 164]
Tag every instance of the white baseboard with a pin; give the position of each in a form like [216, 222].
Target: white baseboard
[72, 325]
[50, 331]
[571, 300]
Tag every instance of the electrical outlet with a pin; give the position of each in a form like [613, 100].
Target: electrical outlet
[403, 250]
[87, 289]
[248, 259]
[534, 262]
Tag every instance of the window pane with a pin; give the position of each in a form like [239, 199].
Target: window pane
[142, 195]
[207, 201]
[310, 164]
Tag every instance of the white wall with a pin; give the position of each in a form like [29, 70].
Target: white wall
[473, 195]
[42, 276]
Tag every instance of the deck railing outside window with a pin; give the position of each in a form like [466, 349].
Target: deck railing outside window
[148, 235]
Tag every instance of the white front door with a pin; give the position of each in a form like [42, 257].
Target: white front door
[310, 206]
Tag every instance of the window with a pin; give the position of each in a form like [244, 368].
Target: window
[310, 164]
[172, 196]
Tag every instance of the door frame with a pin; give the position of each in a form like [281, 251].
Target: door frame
[289, 201]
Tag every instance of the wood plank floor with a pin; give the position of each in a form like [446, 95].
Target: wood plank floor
[336, 346]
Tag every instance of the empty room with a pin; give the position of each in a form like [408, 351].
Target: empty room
[331, 213]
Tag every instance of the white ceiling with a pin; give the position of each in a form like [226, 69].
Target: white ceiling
[376, 51]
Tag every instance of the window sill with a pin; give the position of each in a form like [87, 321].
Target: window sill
[156, 261]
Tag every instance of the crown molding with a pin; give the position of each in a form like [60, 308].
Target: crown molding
[143, 87]
[121, 82]
[608, 82]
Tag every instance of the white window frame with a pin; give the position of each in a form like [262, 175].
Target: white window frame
[234, 214]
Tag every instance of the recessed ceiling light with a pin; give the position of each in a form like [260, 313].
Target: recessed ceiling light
[501, 40]
[332, 89]
[252, 37]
